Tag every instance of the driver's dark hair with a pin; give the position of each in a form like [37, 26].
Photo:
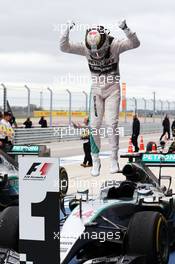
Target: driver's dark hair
[7, 114]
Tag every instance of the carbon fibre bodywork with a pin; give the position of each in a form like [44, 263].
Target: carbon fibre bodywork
[112, 211]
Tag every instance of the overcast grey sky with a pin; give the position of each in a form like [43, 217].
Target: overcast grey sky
[29, 50]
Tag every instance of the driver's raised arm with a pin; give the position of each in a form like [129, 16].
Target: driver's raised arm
[67, 46]
[131, 42]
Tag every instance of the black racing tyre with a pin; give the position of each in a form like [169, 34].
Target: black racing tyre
[148, 235]
[64, 181]
[9, 228]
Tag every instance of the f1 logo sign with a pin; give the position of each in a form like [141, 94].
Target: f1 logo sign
[37, 171]
[39, 209]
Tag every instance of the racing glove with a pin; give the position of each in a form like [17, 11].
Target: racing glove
[122, 24]
[70, 25]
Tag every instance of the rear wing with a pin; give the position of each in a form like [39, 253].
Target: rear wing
[22, 149]
[156, 160]
[152, 159]
[39, 150]
[35, 150]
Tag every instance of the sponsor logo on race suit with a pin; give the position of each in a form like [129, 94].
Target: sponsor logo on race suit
[105, 66]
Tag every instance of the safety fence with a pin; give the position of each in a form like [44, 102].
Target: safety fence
[61, 106]
[57, 134]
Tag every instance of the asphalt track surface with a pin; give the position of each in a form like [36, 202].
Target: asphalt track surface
[74, 148]
[71, 155]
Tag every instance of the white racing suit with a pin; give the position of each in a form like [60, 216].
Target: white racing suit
[105, 92]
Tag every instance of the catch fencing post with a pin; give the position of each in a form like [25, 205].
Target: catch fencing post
[154, 106]
[168, 103]
[161, 103]
[28, 100]
[153, 116]
[51, 104]
[144, 109]
[174, 108]
[70, 106]
[41, 99]
[135, 107]
[4, 97]
[86, 98]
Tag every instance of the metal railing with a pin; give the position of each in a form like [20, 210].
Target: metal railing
[24, 100]
[57, 134]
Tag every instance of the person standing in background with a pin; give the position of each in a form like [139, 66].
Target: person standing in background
[13, 121]
[173, 128]
[166, 127]
[43, 122]
[135, 132]
[28, 123]
[85, 136]
[6, 132]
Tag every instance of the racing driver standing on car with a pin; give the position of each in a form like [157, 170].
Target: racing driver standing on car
[102, 52]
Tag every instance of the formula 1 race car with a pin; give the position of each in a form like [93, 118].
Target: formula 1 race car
[131, 222]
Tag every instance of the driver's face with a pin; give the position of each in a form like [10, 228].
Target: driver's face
[8, 118]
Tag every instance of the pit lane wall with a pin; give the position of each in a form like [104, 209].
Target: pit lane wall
[56, 134]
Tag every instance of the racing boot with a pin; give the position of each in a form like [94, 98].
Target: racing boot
[114, 162]
[114, 166]
[95, 171]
